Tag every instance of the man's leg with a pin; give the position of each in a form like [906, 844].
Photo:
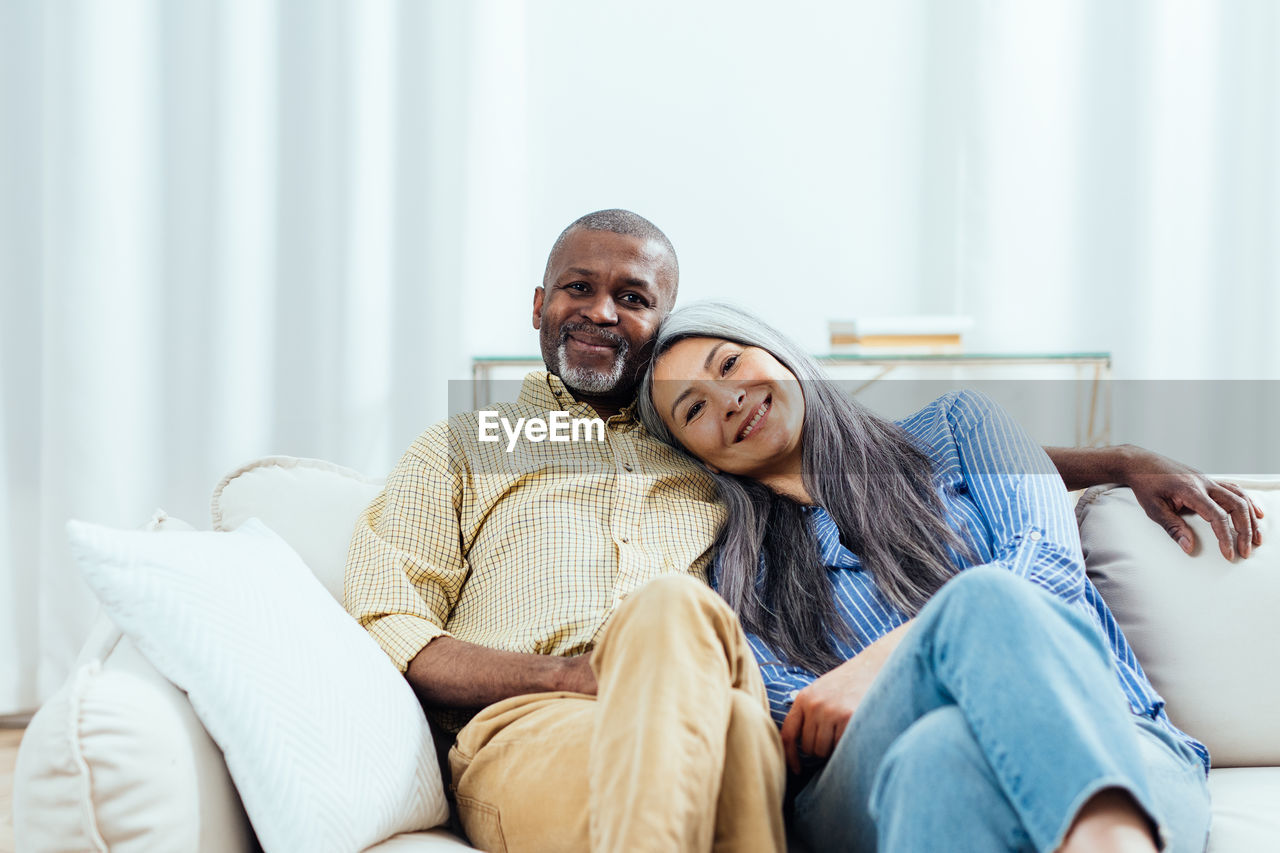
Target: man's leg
[519, 772]
[752, 783]
[678, 685]
[677, 752]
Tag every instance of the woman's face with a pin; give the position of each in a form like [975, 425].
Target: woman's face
[737, 408]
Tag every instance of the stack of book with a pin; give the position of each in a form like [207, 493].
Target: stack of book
[916, 335]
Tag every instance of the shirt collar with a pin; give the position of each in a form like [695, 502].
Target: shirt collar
[830, 550]
[545, 390]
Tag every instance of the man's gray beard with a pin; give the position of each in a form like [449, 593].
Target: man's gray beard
[586, 380]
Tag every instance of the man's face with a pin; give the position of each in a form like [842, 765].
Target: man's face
[604, 296]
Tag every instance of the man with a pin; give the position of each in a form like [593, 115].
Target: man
[557, 589]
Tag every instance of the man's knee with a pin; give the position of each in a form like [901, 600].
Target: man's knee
[675, 600]
[673, 590]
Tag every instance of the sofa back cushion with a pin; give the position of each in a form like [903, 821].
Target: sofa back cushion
[1203, 628]
[309, 503]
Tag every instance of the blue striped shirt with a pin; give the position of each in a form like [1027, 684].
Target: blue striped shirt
[1006, 500]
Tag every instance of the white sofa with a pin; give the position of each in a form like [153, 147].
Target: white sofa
[118, 759]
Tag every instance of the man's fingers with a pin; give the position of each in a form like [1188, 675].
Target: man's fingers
[1255, 511]
[1241, 511]
[1199, 502]
[1162, 514]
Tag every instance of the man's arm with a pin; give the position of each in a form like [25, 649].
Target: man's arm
[1165, 488]
[452, 673]
[405, 571]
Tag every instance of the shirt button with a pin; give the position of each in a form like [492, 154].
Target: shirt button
[791, 697]
[625, 540]
[626, 466]
[1034, 536]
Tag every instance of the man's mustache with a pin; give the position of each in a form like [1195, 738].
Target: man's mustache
[594, 334]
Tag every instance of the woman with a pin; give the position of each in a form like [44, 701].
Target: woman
[944, 674]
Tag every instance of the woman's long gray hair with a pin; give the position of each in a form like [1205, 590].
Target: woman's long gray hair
[865, 471]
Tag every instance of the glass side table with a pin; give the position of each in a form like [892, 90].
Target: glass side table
[1061, 398]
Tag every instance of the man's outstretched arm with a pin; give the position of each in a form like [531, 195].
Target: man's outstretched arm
[1166, 488]
[452, 673]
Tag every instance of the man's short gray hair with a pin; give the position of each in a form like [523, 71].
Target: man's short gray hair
[617, 221]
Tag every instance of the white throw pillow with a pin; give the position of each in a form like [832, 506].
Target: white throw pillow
[1203, 628]
[312, 504]
[324, 739]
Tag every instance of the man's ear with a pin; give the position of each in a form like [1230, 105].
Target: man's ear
[538, 293]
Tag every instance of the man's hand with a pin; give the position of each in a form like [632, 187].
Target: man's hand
[577, 676]
[1165, 488]
[821, 711]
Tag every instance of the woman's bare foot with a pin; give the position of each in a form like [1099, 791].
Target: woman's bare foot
[1110, 822]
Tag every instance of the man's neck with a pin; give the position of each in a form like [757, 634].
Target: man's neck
[606, 407]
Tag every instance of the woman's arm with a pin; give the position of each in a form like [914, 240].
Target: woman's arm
[822, 710]
[1020, 495]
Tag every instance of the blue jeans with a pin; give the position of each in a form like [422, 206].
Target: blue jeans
[997, 717]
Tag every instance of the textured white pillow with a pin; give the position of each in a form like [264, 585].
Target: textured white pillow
[1204, 629]
[312, 504]
[324, 739]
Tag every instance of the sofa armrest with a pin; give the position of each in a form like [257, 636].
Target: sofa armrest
[117, 760]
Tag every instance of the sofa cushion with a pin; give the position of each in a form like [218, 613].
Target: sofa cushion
[326, 742]
[310, 503]
[1245, 816]
[116, 759]
[1200, 625]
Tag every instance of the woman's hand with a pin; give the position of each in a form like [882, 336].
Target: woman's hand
[821, 711]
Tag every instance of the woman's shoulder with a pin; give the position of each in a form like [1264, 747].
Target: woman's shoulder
[965, 404]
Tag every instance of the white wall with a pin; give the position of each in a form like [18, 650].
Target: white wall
[1075, 175]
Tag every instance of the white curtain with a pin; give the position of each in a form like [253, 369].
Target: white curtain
[224, 231]
[237, 227]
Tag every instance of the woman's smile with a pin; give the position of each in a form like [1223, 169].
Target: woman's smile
[749, 427]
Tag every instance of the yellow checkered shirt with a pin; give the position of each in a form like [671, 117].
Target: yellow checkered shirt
[529, 550]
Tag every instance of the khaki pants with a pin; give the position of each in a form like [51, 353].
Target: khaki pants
[677, 751]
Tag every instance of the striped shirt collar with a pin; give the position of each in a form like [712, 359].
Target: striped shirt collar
[831, 551]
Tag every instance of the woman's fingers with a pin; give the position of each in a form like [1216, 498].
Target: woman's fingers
[791, 727]
[824, 738]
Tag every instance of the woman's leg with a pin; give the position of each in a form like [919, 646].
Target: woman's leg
[1035, 685]
[1178, 785]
